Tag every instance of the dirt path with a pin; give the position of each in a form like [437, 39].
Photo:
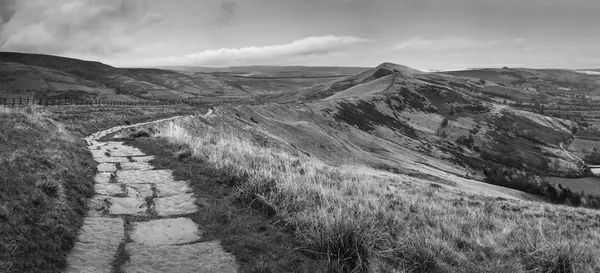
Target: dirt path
[139, 218]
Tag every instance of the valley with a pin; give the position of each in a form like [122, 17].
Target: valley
[358, 169]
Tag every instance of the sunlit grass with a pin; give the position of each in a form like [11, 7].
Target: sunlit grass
[361, 219]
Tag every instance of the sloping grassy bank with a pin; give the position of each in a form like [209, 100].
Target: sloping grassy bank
[85, 120]
[46, 176]
[360, 219]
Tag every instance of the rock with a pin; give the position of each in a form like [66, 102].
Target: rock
[102, 178]
[111, 159]
[136, 166]
[96, 245]
[127, 206]
[143, 158]
[151, 176]
[207, 257]
[109, 189]
[139, 190]
[175, 205]
[172, 188]
[165, 232]
[107, 167]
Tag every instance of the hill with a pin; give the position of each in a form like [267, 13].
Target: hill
[528, 83]
[422, 124]
[273, 71]
[42, 76]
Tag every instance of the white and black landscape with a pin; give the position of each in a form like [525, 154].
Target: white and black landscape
[299, 136]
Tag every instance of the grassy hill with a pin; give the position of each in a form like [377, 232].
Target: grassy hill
[42, 76]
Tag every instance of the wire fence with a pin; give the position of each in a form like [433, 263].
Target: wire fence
[17, 102]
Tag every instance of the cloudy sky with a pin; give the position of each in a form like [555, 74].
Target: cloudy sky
[425, 34]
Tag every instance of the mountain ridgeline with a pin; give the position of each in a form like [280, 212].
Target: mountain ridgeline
[460, 125]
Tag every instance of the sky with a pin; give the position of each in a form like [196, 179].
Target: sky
[423, 34]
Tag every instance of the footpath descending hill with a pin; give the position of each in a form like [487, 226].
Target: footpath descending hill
[145, 210]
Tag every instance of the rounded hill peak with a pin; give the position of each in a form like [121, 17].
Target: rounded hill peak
[399, 68]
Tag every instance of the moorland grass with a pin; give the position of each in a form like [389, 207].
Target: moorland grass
[46, 177]
[85, 120]
[360, 219]
[45, 180]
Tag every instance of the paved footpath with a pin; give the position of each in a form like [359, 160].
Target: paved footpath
[143, 212]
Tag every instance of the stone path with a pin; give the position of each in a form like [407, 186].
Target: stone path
[141, 211]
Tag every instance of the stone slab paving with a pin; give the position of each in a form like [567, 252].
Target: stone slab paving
[107, 167]
[172, 231]
[144, 177]
[102, 178]
[110, 189]
[96, 245]
[171, 188]
[111, 159]
[127, 206]
[144, 166]
[139, 190]
[148, 211]
[143, 158]
[207, 257]
[175, 205]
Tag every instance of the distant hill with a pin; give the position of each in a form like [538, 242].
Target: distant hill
[327, 89]
[539, 81]
[273, 71]
[37, 75]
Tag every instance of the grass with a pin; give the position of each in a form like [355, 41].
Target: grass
[45, 178]
[257, 244]
[85, 120]
[359, 219]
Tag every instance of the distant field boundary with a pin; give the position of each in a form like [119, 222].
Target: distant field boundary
[14, 102]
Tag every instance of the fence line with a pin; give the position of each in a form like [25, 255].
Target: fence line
[17, 102]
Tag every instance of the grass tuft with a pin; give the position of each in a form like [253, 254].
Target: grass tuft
[51, 188]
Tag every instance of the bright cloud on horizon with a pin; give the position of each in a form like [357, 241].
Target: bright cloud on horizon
[310, 47]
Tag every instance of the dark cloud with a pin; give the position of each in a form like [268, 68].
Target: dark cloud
[73, 26]
[226, 13]
[7, 10]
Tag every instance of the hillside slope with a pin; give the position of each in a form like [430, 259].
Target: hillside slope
[421, 124]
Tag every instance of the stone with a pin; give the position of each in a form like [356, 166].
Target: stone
[171, 231]
[123, 150]
[98, 153]
[151, 176]
[207, 257]
[139, 190]
[97, 205]
[170, 188]
[175, 205]
[102, 178]
[143, 158]
[96, 245]
[127, 206]
[107, 167]
[144, 166]
[111, 159]
[109, 189]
